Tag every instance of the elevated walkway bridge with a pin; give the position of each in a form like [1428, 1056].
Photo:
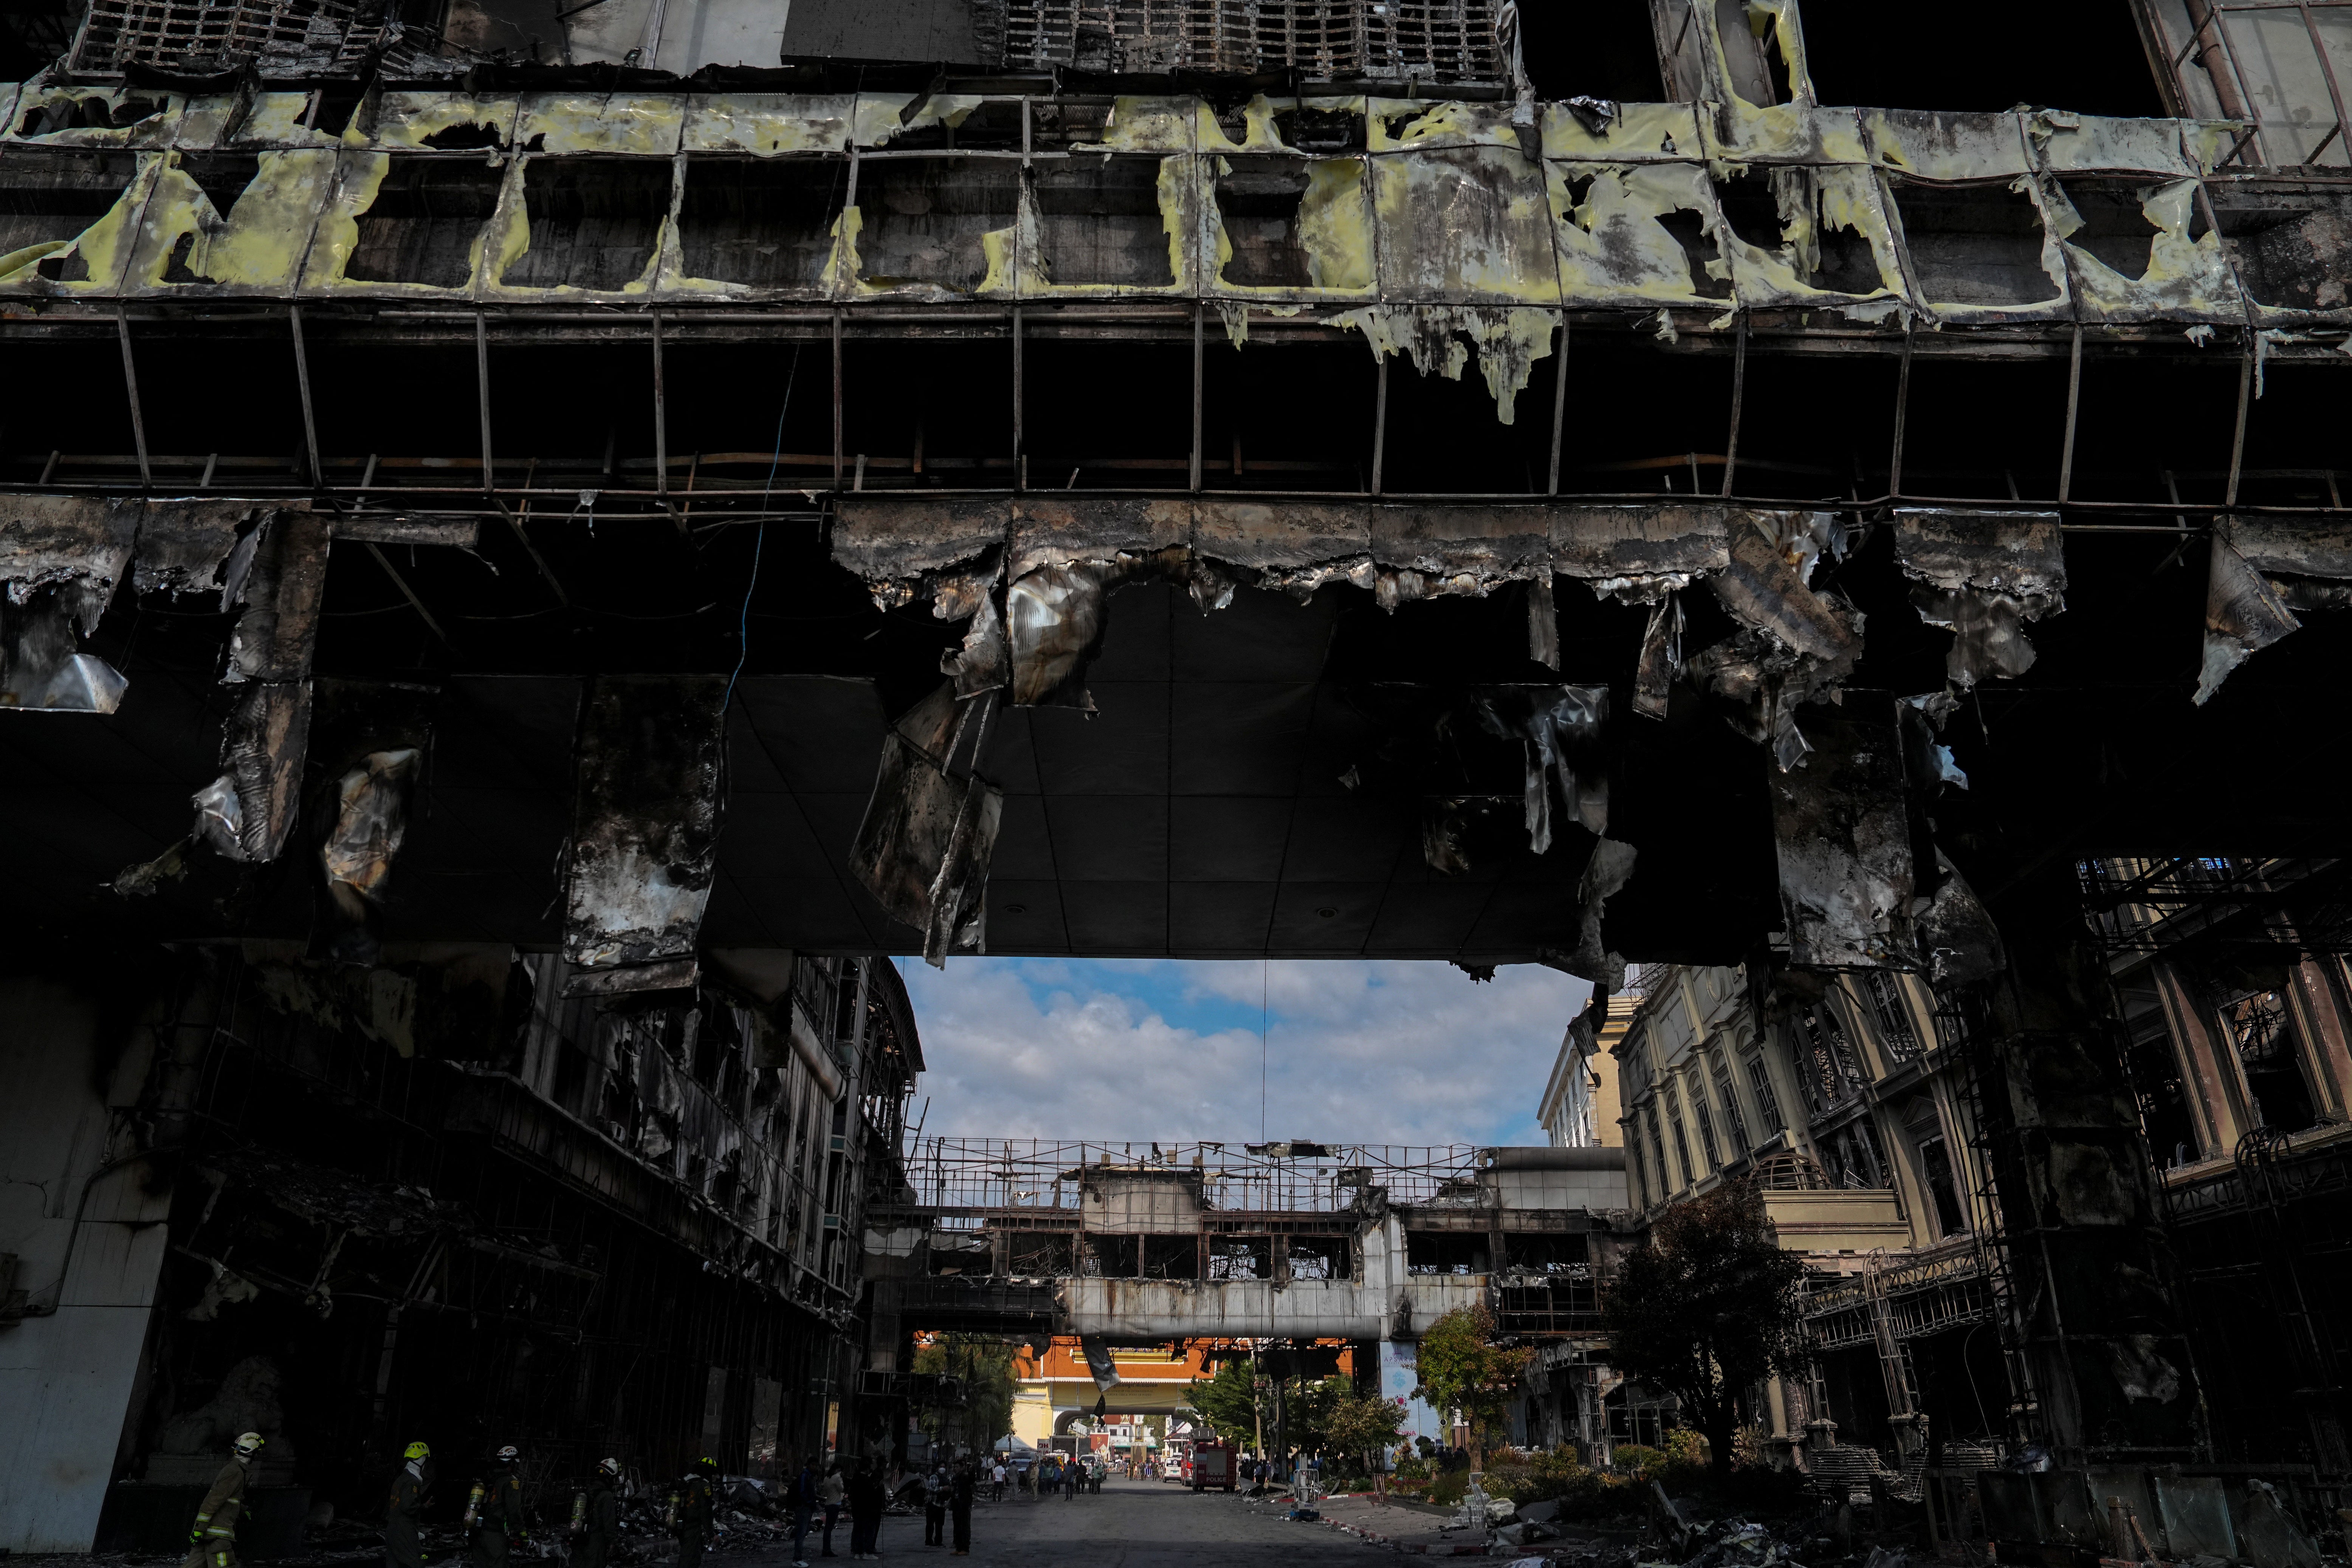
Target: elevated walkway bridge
[1299, 1242]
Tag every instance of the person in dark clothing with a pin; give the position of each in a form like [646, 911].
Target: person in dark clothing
[409, 1485]
[600, 1516]
[935, 1507]
[804, 1507]
[960, 1493]
[866, 1501]
[690, 1513]
[494, 1513]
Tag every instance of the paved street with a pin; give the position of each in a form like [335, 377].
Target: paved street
[1132, 1524]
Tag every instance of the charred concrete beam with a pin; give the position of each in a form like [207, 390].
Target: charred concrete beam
[648, 799]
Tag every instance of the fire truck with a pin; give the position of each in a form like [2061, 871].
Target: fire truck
[1213, 1465]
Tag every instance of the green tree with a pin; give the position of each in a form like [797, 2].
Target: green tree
[1708, 1308]
[1461, 1368]
[1228, 1400]
[1362, 1425]
[986, 1367]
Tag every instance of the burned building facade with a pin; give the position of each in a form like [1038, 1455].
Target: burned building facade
[1573, 484]
[437, 1199]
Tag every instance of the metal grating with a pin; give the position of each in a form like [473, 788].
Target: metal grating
[321, 37]
[1447, 41]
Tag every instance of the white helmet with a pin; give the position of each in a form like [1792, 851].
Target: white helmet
[248, 1444]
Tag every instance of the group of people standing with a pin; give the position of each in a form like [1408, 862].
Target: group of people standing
[860, 1487]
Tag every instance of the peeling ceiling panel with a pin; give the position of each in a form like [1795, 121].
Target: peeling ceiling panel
[2159, 273]
[1616, 247]
[2069, 143]
[1467, 226]
[1932, 144]
[436, 122]
[769, 122]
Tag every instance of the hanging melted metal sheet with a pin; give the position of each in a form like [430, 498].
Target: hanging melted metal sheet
[1981, 576]
[1841, 825]
[279, 574]
[649, 794]
[60, 560]
[924, 845]
[2262, 574]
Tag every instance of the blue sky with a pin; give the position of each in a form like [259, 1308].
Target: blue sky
[1358, 1051]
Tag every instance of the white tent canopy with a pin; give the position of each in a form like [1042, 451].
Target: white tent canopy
[1011, 1444]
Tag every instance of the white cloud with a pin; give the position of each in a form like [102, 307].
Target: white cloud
[1360, 1052]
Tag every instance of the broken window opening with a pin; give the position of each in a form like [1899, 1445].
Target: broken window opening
[1854, 1157]
[51, 196]
[1318, 1257]
[1033, 1253]
[1829, 256]
[334, 107]
[1829, 1073]
[1320, 131]
[1691, 232]
[89, 113]
[473, 135]
[222, 176]
[1666, 1183]
[1685, 1173]
[921, 219]
[2114, 227]
[1893, 1014]
[1444, 1252]
[1974, 244]
[1736, 1121]
[2263, 1034]
[1942, 1177]
[595, 222]
[1241, 1258]
[1706, 1126]
[762, 222]
[1258, 201]
[993, 127]
[1058, 124]
[1562, 1252]
[1768, 1104]
[421, 227]
[1171, 1257]
[1099, 222]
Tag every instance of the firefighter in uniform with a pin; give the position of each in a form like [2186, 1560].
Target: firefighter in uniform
[494, 1512]
[690, 1508]
[212, 1540]
[400, 1547]
[596, 1517]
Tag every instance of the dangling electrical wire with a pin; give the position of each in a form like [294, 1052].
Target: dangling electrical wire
[1261, 1049]
[759, 540]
